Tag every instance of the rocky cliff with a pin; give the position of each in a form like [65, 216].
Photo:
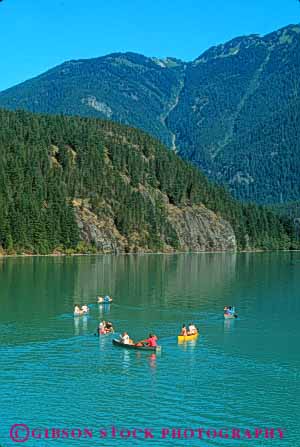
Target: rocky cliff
[199, 229]
[195, 227]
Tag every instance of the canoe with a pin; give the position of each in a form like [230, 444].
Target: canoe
[230, 317]
[105, 301]
[187, 337]
[104, 335]
[141, 348]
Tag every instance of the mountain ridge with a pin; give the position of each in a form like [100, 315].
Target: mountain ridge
[219, 111]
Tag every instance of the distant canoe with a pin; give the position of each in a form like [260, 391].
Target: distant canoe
[182, 338]
[141, 348]
[104, 333]
[104, 301]
[230, 316]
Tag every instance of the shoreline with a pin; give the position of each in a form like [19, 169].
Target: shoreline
[70, 255]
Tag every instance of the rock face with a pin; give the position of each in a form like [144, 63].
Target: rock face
[199, 229]
[195, 228]
[100, 233]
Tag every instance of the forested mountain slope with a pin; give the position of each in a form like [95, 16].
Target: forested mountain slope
[234, 111]
[238, 115]
[77, 183]
[128, 88]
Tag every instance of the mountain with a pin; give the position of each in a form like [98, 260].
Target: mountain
[238, 115]
[78, 184]
[234, 111]
[127, 88]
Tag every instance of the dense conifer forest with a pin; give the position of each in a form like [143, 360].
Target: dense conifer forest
[47, 162]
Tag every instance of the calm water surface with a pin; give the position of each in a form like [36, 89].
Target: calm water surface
[54, 372]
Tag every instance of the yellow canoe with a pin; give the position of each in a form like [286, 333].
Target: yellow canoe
[187, 337]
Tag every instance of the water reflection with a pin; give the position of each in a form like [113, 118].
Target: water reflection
[192, 344]
[156, 276]
[229, 325]
[76, 325]
[103, 309]
[81, 324]
[188, 345]
[126, 359]
[152, 360]
[102, 341]
[159, 274]
[85, 324]
[53, 282]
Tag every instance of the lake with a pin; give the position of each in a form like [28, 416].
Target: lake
[69, 387]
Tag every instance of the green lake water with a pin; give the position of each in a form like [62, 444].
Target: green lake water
[241, 374]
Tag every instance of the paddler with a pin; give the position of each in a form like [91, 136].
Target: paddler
[192, 329]
[125, 339]
[183, 330]
[101, 328]
[151, 341]
[77, 310]
[109, 327]
[85, 309]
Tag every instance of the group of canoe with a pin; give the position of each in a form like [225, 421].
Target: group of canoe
[84, 310]
[150, 343]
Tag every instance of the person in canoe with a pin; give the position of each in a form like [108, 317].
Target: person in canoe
[84, 309]
[183, 330]
[77, 310]
[109, 327]
[192, 329]
[151, 341]
[125, 339]
[101, 328]
[107, 299]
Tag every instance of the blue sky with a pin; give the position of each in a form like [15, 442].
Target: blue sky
[39, 34]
